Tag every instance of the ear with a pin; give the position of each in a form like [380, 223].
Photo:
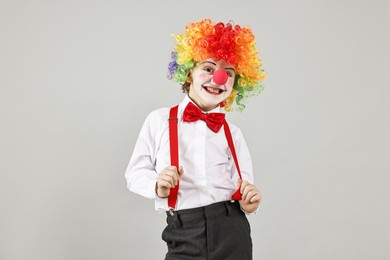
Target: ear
[189, 77]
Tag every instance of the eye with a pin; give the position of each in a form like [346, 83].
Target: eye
[208, 69]
[229, 73]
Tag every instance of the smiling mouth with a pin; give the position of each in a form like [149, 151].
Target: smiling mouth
[213, 91]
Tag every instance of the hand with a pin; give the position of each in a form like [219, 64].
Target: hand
[168, 179]
[251, 196]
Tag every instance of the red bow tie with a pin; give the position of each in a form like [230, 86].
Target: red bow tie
[213, 120]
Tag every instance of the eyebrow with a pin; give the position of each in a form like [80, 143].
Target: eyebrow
[215, 64]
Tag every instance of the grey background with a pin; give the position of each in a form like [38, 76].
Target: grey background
[77, 79]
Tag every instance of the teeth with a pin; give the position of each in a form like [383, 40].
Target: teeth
[213, 90]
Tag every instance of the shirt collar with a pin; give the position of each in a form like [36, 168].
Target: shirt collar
[187, 100]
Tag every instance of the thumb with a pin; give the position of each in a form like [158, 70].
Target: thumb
[239, 182]
[180, 171]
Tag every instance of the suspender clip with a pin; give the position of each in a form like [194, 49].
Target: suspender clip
[171, 212]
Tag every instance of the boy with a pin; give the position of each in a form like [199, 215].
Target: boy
[194, 164]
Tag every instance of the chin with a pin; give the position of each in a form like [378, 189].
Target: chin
[212, 103]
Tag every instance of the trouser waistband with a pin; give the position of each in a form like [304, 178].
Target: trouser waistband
[197, 214]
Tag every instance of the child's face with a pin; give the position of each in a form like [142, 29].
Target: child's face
[203, 90]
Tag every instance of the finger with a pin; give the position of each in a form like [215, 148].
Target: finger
[243, 186]
[173, 174]
[169, 177]
[250, 195]
[171, 168]
[247, 189]
[177, 172]
[166, 178]
[164, 184]
[255, 199]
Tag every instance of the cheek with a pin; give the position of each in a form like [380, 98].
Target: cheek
[203, 76]
[230, 82]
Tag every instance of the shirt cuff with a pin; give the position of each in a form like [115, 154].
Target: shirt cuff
[160, 204]
[250, 213]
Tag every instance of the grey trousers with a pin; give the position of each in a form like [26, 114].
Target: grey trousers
[219, 231]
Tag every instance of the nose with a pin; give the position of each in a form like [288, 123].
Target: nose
[220, 77]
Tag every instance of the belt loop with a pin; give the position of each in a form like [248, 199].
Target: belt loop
[228, 208]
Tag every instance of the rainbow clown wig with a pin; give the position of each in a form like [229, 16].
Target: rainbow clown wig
[235, 45]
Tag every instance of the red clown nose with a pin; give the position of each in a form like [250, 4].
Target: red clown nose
[220, 77]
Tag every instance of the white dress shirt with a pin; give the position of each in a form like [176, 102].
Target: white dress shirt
[209, 172]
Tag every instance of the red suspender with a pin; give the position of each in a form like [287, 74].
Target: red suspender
[237, 195]
[173, 141]
[174, 146]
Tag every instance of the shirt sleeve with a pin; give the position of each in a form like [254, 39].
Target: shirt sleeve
[141, 175]
[243, 156]
[244, 160]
